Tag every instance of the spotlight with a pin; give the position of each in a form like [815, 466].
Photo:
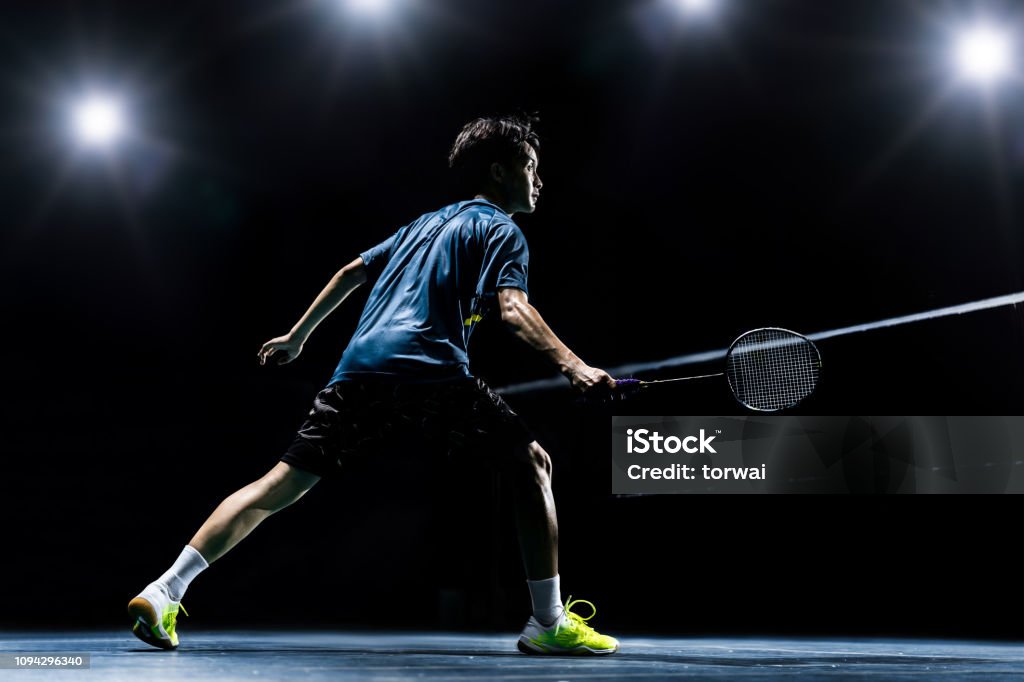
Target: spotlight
[98, 120]
[983, 54]
[695, 6]
[370, 7]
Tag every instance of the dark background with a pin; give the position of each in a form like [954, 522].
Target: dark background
[791, 163]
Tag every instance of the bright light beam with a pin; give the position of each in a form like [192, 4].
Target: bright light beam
[98, 120]
[720, 353]
[983, 54]
[368, 7]
[695, 6]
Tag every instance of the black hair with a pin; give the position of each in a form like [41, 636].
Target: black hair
[487, 140]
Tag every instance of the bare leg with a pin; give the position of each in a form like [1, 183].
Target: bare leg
[244, 509]
[535, 512]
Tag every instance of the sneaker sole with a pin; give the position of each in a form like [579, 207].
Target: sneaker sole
[530, 649]
[144, 614]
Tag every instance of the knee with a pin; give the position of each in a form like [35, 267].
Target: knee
[540, 459]
[534, 461]
[281, 487]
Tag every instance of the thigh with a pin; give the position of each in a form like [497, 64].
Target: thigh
[347, 419]
[471, 419]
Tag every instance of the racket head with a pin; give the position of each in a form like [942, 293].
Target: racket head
[771, 369]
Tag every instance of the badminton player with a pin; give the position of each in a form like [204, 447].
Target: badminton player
[406, 369]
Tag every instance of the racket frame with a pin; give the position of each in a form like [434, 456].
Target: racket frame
[728, 353]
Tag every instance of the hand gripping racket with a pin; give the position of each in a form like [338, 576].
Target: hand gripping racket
[768, 369]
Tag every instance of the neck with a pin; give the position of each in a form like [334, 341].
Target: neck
[492, 197]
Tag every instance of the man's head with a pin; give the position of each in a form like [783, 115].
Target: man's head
[497, 158]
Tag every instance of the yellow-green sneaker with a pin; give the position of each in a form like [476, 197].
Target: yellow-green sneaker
[568, 636]
[155, 616]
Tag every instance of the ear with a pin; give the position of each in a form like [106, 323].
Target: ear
[497, 172]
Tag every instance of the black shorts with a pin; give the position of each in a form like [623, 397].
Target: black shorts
[357, 419]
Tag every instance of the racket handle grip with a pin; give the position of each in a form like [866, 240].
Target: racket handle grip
[602, 395]
[627, 388]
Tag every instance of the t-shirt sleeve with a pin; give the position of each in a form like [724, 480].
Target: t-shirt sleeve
[377, 257]
[506, 260]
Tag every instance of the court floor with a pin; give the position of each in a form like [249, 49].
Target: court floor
[323, 655]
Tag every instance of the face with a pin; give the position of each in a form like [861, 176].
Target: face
[521, 183]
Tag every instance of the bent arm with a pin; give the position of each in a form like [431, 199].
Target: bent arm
[526, 323]
[344, 282]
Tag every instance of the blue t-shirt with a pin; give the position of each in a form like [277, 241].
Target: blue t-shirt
[436, 278]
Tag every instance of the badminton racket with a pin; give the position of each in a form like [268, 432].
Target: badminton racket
[768, 370]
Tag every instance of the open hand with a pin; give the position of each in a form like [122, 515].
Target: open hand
[283, 349]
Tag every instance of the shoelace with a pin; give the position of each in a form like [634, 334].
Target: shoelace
[168, 616]
[578, 620]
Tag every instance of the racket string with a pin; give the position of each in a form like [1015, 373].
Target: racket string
[771, 369]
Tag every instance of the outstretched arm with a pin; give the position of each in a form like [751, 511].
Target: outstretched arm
[527, 324]
[344, 282]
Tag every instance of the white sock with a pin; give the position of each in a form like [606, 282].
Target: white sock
[190, 563]
[547, 600]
